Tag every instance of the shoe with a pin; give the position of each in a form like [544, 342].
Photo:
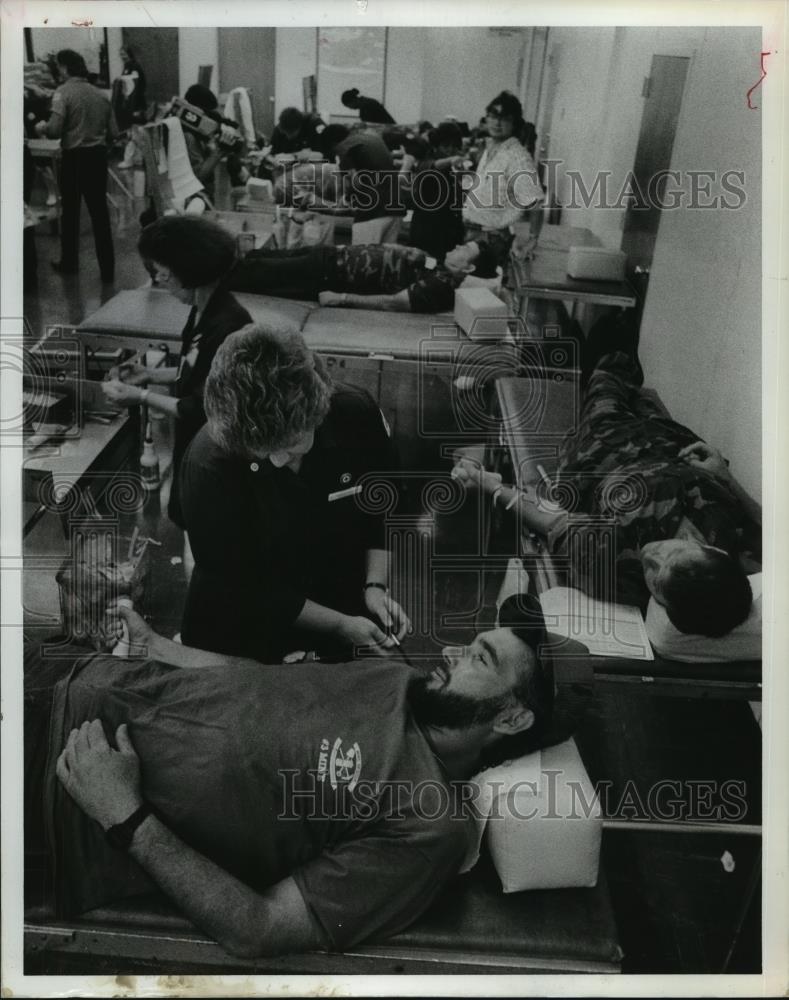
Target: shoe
[60, 268]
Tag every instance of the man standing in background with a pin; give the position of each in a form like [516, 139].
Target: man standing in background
[83, 121]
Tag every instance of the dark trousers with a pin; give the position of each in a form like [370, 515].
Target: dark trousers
[83, 174]
[301, 273]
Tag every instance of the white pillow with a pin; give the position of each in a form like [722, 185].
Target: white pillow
[743, 642]
[542, 820]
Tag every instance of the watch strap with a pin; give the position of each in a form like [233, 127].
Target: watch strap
[121, 835]
[377, 586]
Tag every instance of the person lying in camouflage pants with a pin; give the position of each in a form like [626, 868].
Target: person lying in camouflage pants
[640, 507]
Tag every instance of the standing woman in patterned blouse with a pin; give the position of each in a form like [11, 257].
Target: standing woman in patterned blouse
[505, 184]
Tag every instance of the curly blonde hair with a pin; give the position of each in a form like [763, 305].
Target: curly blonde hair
[265, 389]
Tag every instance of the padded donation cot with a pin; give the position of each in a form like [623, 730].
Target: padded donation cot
[408, 362]
[481, 923]
[535, 413]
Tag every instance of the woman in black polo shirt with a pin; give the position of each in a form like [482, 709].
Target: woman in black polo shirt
[288, 554]
[190, 257]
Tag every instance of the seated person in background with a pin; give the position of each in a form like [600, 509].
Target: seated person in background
[206, 153]
[190, 257]
[643, 508]
[436, 191]
[286, 555]
[283, 809]
[389, 276]
[296, 130]
[369, 109]
[372, 180]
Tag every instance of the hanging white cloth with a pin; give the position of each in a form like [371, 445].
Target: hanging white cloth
[239, 108]
[179, 168]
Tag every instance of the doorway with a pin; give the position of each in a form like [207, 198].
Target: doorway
[663, 90]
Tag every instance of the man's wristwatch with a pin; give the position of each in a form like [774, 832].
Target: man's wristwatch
[120, 835]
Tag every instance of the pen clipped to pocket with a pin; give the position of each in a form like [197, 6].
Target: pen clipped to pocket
[352, 491]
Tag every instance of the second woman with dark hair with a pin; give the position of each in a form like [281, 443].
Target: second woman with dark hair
[189, 257]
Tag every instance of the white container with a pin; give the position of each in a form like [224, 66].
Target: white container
[481, 314]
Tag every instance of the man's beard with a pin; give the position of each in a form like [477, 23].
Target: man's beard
[449, 710]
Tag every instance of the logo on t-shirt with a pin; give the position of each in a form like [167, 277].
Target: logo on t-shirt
[343, 766]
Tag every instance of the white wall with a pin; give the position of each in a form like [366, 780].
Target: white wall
[701, 331]
[197, 47]
[465, 68]
[296, 58]
[430, 72]
[595, 118]
[405, 70]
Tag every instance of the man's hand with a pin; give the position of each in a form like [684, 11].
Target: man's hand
[122, 394]
[387, 611]
[331, 298]
[470, 473]
[141, 635]
[105, 783]
[704, 456]
[363, 634]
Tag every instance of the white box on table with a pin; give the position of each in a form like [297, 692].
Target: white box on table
[480, 314]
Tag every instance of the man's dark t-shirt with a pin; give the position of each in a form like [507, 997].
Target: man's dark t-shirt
[270, 771]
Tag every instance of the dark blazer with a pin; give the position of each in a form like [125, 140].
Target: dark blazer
[222, 316]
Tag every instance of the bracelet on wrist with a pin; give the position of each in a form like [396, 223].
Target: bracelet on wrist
[376, 586]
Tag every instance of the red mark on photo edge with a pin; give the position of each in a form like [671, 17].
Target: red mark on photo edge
[758, 82]
[83, 24]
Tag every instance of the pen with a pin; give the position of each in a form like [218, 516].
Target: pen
[400, 649]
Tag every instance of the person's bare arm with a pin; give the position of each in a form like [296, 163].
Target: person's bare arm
[537, 514]
[106, 785]
[347, 300]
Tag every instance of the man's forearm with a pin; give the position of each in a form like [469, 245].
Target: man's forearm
[390, 303]
[246, 923]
